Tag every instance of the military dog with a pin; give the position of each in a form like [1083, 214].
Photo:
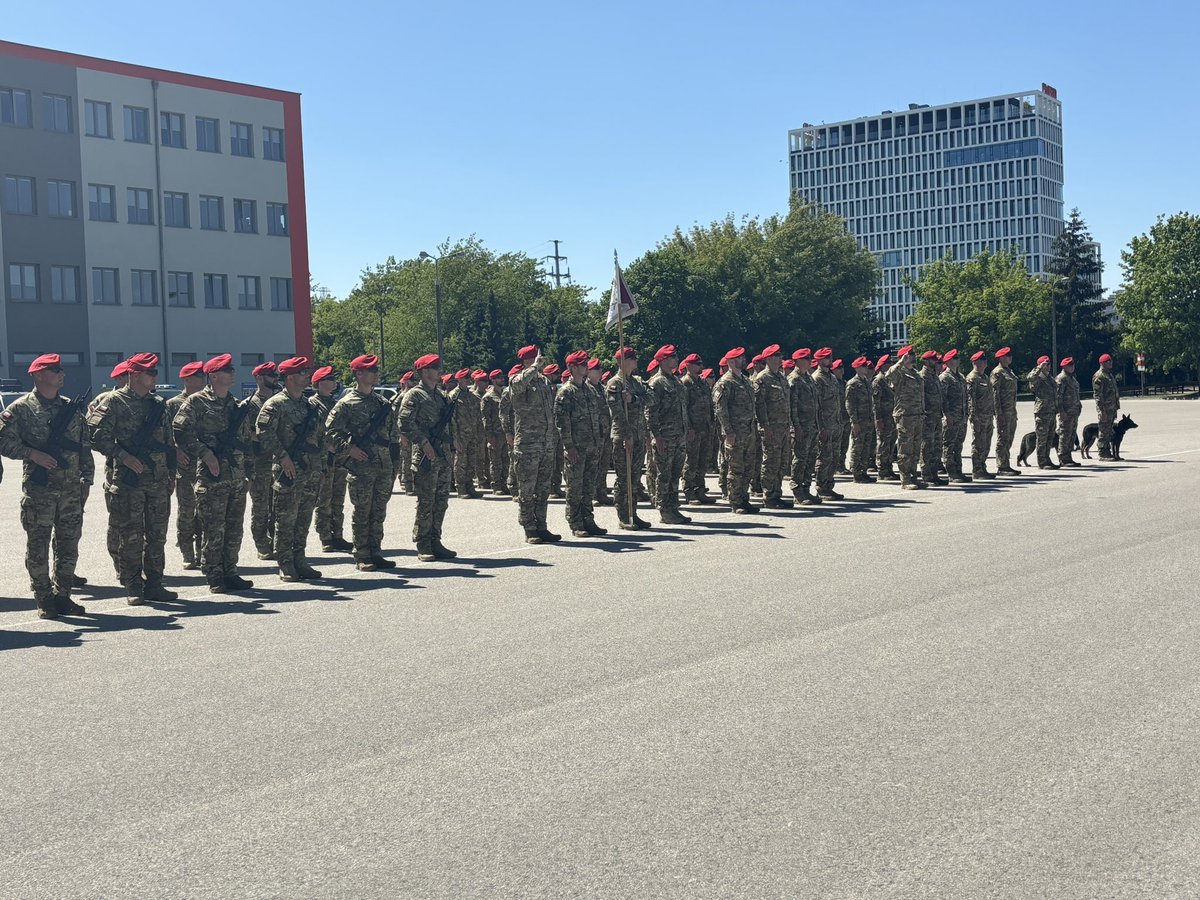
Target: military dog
[1091, 432]
[1029, 444]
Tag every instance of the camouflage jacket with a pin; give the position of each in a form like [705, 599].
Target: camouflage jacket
[25, 426]
[733, 403]
[627, 399]
[1004, 386]
[859, 406]
[532, 401]
[201, 421]
[908, 391]
[1068, 394]
[1045, 394]
[117, 422]
[1105, 392]
[279, 423]
[256, 401]
[883, 398]
[772, 400]
[668, 412]
[602, 410]
[802, 398]
[699, 403]
[348, 424]
[420, 414]
[467, 421]
[507, 423]
[981, 397]
[576, 412]
[489, 411]
[931, 389]
[829, 412]
[954, 396]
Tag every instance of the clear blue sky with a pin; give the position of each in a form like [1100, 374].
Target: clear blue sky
[607, 125]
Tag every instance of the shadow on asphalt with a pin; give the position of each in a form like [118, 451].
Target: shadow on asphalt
[24, 640]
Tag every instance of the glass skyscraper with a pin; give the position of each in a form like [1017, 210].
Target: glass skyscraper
[954, 179]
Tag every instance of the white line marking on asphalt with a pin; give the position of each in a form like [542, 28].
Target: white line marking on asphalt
[1172, 453]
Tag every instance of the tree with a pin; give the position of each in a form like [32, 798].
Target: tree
[1159, 303]
[1083, 329]
[987, 302]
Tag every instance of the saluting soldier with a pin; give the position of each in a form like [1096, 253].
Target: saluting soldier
[429, 420]
[493, 432]
[908, 412]
[802, 396]
[214, 430]
[699, 430]
[577, 416]
[627, 399]
[331, 494]
[829, 423]
[1004, 386]
[981, 407]
[362, 428]
[861, 413]
[1069, 408]
[883, 400]
[1045, 408]
[468, 429]
[479, 460]
[534, 439]
[46, 431]
[1108, 404]
[772, 410]
[187, 525]
[733, 404]
[954, 417]
[931, 434]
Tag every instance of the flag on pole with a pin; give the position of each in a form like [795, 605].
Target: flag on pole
[621, 304]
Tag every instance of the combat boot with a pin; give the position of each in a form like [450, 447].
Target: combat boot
[189, 559]
[983, 475]
[533, 535]
[639, 523]
[674, 517]
[237, 583]
[135, 593]
[593, 528]
[47, 608]
[579, 531]
[155, 592]
[425, 552]
[548, 536]
[469, 494]
[830, 494]
[68, 607]
[305, 571]
[337, 545]
[441, 551]
[960, 478]
[288, 573]
[382, 563]
[863, 478]
[907, 484]
[745, 509]
[888, 474]
[266, 554]
[78, 581]
[217, 586]
[365, 565]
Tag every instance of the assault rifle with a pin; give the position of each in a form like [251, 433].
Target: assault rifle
[438, 432]
[295, 450]
[58, 442]
[367, 438]
[142, 445]
[227, 440]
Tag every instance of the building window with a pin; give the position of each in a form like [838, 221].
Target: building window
[144, 287]
[14, 107]
[171, 127]
[249, 295]
[179, 360]
[56, 113]
[61, 199]
[140, 210]
[179, 289]
[240, 136]
[273, 144]
[216, 292]
[250, 360]
[208, 135]
[277, 222]
[281, 294]
[22, 283]
[212, 213]
[107, 359]
[64, 284]
[105, 287]
[137, 124]
[97, 119]
[245, 216]
[101, 205]
[175, 209]
[19, 195]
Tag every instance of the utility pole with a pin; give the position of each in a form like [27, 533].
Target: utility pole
[558, 274]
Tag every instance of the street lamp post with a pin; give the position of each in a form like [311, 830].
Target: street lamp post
[437, 289]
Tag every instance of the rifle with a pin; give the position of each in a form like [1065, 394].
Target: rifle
[227, 440]
[58, 442]
[141, 446]
[367, 439]
[437, 432]
[296, 449]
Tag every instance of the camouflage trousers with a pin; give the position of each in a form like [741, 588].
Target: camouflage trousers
[1068, 424]
[695, 464]
[221, 509]
[603, 465]
[804, 457]
[931, 445]
[909, 430]
[431, 483]
[556, 477]
[1006, 428]
[651, 467]
[497, 458]
[406, 470]
[669, 462]
[774, 462]
[741, 465]
[468, 463]
[981, 442]
[1105, 420]
[756, 456]
[331, 503]
[142, 516]
[581, 488]
[954, 433]
[1043, 428]
[722, 465]
[512, 468]
[628, 474]
[262, 517]
[862, 448]
[187, 526]
[370, 488]
[885, 444]
[293, 505]
[535, 472]
[827, 458]
[843, 445]
[52, 517]
[112, 537]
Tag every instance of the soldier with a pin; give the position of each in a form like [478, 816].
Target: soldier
[493, 433]
[120, 377]
[843, 442]
[1069, 408]
[483, 478]
[291, 431]
[772, 409]
[860, 411]
[650, 465]
[577, 416]
[214, 430]
[604, 458]
[468, 429]
[733, 405]
[533, 444]
[627, 398]
[131, 429]
[1004, 386]
[802, 396]
[428, 420]
[362, 428]
[262, 519]
[908, 412]
[954, 417]
[668, 417]
[187, 526]
[47, 432]
[829, 423]
[699, 430]
[331, 493]
[931, 435]
[1045, 407]
[507, 422]
[883, 400]
[405, 473]
[1108, 403]
[981, 408]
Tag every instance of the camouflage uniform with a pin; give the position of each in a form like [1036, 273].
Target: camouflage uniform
[802, 396]
[468, 427]
[331, 493]
[1045, 407]
[577, 415]
[843, 440]
[1004, 386]
[668, 418]
[112, 533]
[403, 470]
[535, 438]
[1069, 407]
[981, 407]
[262, 517]
[51, 513]
[277, 428]
[627, 399]
[422, 410]
[370, 480]
[508, 423]
[931, 437]
[954, 422]
[772, 409]
[829, 422]
[908, 412]
[187, 525]
[733, 404]
[493, 431]
[861, 413]
[700, 436]
[1108, 402]
[604, 463]
[221, 499]
[883, 399]
[141, 504]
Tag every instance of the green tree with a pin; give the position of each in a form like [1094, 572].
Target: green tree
[1159, 303]
[987, 302]
[1083, 329]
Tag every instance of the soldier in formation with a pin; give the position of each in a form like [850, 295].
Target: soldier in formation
[331, 493]
[1069, 407]
[908, 414]
[1108, 403]
[860, 411]
[699, 430]
[627, 398]
[802, 399]
[773, 413]
[262, 519]
[577, 417]
[981, 409]
[493, 433]
[883, 401]
[534, 443]
[469, 434]
[187, 525]
[1004, 387]
[931, 429]
[595, 380]
[427, 420]
[954, 418]
[830, 406]
[667, 412]
[1045, 408]
[733, 404]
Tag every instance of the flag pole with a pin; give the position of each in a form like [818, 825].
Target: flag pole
[624, 401]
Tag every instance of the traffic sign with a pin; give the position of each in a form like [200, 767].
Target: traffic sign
[1141, 362]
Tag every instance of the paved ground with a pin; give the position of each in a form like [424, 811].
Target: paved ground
[967, 692]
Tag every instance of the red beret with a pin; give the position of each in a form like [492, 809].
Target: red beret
[978, 355]
[217, 363]
[293, 365]
[323, 373]
[192, 369]
[734, 353]
[788, 365]
[757, 358]
[594, 363]
[496, 373]
[882, 361]
[1104, 357]
[1043, 359]
[904, 351]
[408, 376]
[692, 359]
[1067, 361]
[551, 370]
[929, 354]
[802, 353]
[359, 363]
[1003, 351]
[122, 368]
[652, 366]
[606, 375]
[750, 367]
[142, 362]
[447, 378]
[664, 351]
[514, 370]
[578, 358]
[428, 361]
[479, 375]
[528, 352]
[949, 355]
[625, 353]
[462, 373]
[263, 369]
[45, 361]
[837, 364]
[772, 350]
[566, 376]
[723, 363]
[860, 362]
[706, 373]
[823, 353]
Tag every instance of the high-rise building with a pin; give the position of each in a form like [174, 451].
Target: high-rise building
[147, 210]
[956, 179]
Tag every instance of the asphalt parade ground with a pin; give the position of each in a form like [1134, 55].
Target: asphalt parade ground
[990, 690]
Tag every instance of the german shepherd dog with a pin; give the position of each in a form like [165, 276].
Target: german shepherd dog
[1091, 432]
[1029, 444]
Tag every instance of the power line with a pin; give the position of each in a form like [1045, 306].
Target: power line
[558, 274]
